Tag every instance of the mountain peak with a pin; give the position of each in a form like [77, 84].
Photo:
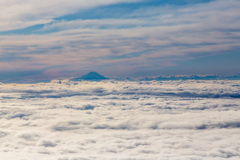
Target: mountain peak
[91, 76]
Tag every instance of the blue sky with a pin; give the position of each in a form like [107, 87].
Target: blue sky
[59, 38]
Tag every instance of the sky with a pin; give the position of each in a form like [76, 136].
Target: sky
[68, 38]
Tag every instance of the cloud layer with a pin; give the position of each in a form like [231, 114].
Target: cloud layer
[145, 38]
[120, 119]
[15, 14]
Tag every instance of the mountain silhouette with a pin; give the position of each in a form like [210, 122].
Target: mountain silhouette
[91, 76]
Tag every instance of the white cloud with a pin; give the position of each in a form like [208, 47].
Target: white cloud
[159, 33]
[15, 14]
[102, 120]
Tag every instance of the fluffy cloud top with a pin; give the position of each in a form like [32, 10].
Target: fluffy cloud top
[123, 120]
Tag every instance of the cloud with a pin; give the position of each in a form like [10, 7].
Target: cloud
[123, 118]
[16, 15]
[148, 38]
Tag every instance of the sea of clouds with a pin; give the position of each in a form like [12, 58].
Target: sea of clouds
[125, 120]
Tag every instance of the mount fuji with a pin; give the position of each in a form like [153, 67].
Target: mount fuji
[91, 76]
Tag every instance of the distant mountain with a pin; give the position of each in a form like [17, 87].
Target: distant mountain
[182, 77]
[233, 77]
[91, 76]
[191, 77]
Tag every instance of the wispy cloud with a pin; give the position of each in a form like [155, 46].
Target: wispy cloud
[148, 37]
[15, 14]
